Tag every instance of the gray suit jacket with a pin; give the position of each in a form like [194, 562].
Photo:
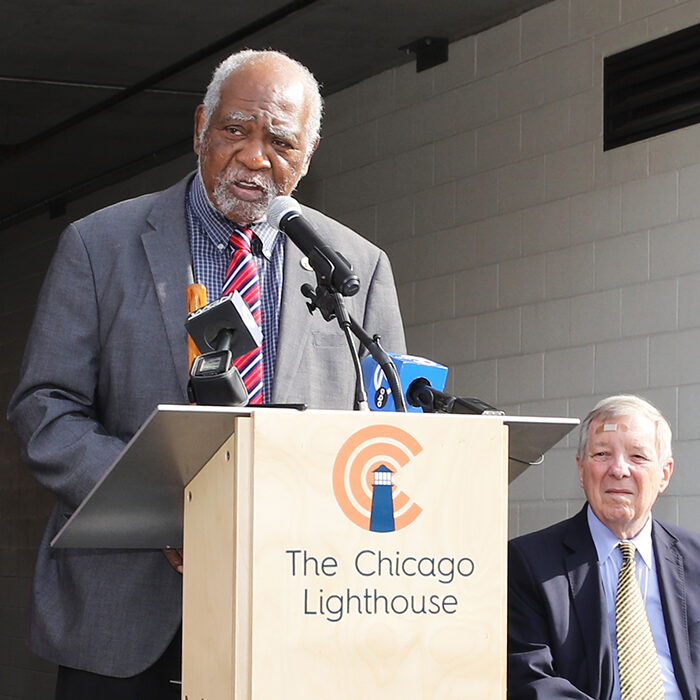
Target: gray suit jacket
[558, 638]
[107, 345]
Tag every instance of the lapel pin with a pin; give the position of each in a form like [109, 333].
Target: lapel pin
[304, 262]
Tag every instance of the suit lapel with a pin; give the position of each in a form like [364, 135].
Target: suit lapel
[169, 257]
[294, 324]
[672, 587]
[588, 601]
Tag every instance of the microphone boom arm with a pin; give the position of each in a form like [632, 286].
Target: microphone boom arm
[331, 305]
[374, 348]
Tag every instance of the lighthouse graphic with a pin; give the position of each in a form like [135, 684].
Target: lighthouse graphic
[382, 513]
[364, 471]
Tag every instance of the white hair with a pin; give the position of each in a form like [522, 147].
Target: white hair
[628, 405]
[248, 57]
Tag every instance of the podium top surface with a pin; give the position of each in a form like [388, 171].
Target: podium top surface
[138, 503]
[531, 437]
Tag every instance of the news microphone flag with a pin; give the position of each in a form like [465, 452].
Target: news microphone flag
[409, 368]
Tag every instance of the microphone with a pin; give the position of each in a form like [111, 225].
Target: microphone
[422, 382]
[411, 370]
[430, 400]
[222, 330]
[224, 324]
[284, 213]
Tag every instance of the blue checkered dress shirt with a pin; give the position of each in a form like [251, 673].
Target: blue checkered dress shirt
[209, 233]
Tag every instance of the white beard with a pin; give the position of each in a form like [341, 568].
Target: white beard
[248, 212]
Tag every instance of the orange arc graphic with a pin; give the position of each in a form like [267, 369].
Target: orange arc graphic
[352, 461]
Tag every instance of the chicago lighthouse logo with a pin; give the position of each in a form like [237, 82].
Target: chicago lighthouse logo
[363, 473]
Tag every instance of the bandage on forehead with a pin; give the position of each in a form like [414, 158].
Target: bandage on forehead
[610, 427]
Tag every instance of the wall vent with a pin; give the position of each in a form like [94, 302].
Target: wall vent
[652, 89]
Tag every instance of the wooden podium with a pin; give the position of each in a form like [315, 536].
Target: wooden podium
[327, 553]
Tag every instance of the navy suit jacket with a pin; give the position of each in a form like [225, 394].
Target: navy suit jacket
[107, 345]
[558, 638]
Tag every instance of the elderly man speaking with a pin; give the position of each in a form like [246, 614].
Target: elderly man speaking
[607, 603]
[108, 344]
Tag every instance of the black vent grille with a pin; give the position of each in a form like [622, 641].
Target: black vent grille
[652, 89]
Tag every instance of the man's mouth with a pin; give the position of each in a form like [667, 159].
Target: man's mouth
[245, 190]
[247, 185]
[245, 193]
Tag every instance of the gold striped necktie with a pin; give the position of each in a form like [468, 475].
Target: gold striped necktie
[638, 663]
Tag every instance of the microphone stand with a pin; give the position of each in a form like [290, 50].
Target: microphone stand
[329, 301]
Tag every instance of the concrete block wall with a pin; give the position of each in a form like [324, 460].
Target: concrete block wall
[544, 271]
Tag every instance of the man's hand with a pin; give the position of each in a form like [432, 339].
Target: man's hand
[174, 556]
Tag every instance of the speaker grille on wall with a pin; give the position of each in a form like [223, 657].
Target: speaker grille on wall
[652, 89]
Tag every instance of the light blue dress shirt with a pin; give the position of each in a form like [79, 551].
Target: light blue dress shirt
[609, 563]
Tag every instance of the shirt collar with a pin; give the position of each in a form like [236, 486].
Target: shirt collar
[268, 236]
[606, 541]
[218, 228]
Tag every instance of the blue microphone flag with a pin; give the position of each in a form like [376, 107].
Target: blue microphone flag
[409, 368]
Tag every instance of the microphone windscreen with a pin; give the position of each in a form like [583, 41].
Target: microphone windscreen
[409, 368]
[230, 313]
[279, 207]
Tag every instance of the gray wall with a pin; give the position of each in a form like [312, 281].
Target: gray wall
[545, 272]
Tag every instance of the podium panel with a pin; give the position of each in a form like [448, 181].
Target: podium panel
[348, 555]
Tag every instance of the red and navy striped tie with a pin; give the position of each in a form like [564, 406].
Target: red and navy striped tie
[242, 275]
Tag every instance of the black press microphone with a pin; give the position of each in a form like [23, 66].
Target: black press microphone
[431, 400]
[422, 381]
[284, 213]
[222, 330]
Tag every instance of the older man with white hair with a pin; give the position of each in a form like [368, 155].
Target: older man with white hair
[607, 603]
[108, 344]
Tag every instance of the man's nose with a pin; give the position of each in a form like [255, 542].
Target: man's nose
[252, 155]
[619, 466]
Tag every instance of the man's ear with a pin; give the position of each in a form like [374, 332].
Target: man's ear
[666, 474]
[579, 464]
[198, 128]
